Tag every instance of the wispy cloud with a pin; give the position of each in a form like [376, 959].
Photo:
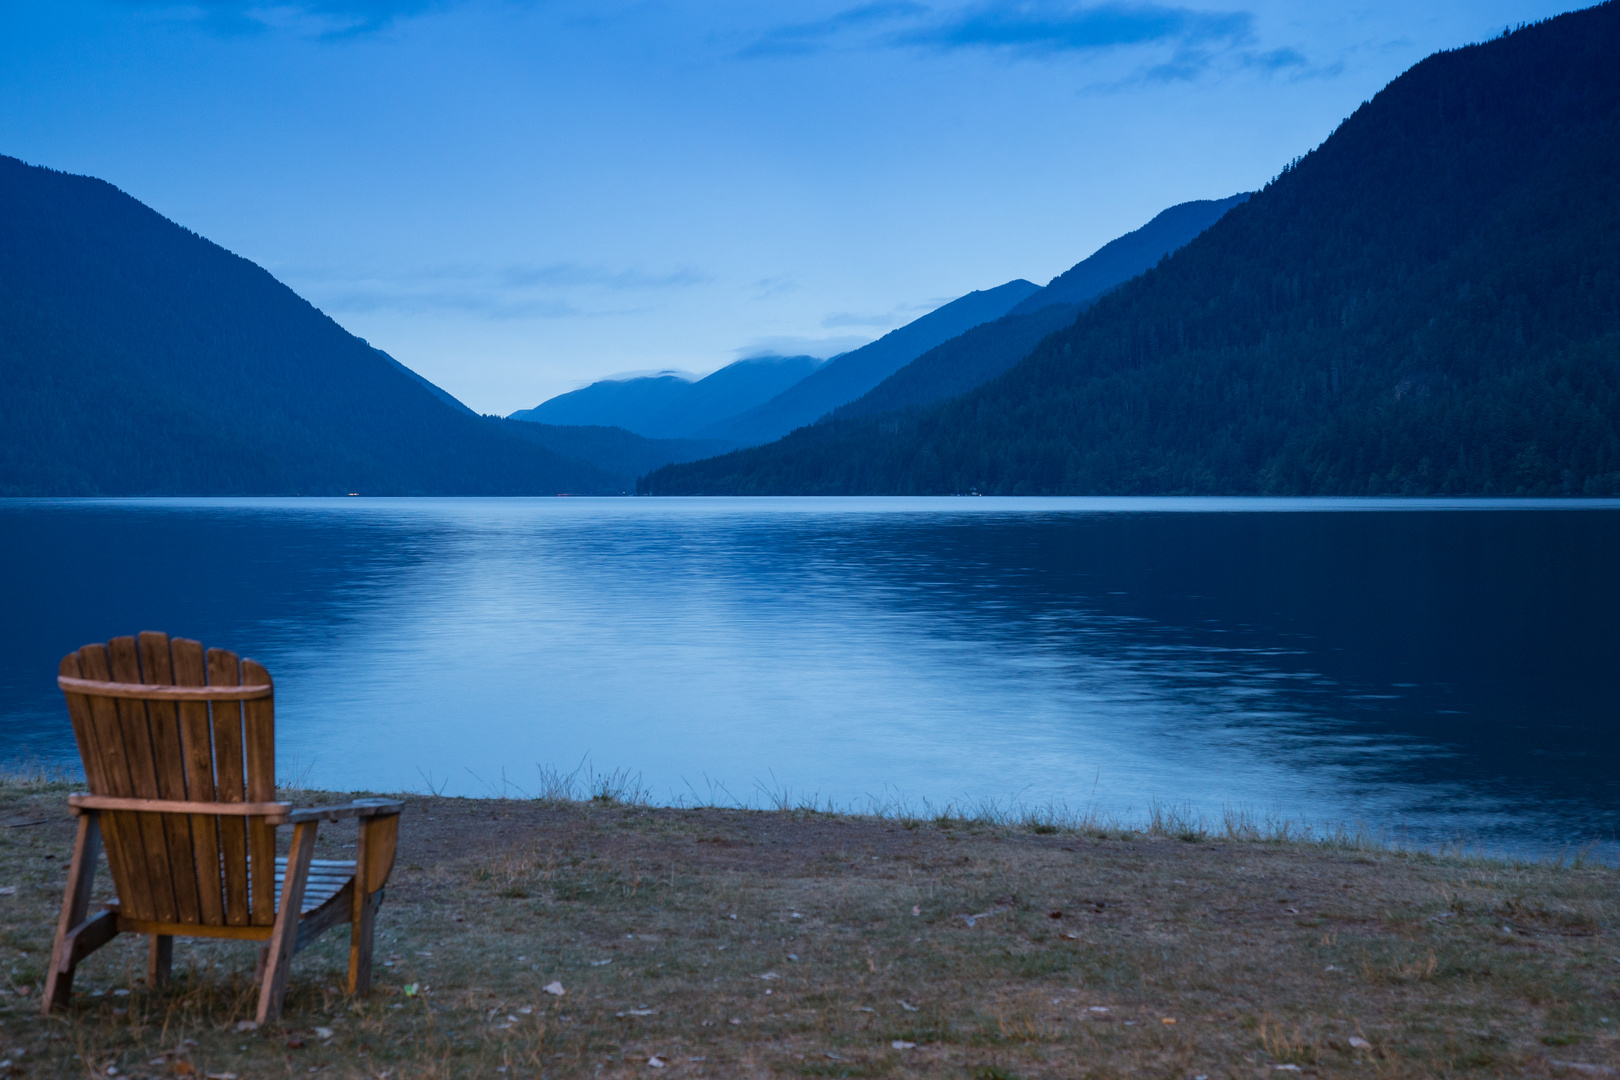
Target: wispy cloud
[569, 275]
[798, 39]
[492, 306]
[792, 345]
[1038, 27]
[1277, 60]
[511, 291]
[767, 287]
[329, 19]
[1020, 27]
[841, 319]
[1190, 62]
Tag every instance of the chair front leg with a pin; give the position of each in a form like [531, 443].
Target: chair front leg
[73, 938]
[278, 964]
[159, 959]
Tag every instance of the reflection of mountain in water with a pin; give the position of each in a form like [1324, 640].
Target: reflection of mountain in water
[1447, 669]
[271, 585]
[1466, 647]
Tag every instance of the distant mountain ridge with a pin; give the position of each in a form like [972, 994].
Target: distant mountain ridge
[1428, 303]
[669, 406]
[761, 398]
[846, 377]
[137, 358]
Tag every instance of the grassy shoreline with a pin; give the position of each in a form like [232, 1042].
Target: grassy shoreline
[726, 942]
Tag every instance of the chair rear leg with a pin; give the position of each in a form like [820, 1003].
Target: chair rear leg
[72, 940]
[278, 962]
[159, 959]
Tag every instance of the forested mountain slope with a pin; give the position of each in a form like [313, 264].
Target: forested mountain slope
[974, 358]
[1124, 257]
[1427, 303]
[962, 363]
[137, 358]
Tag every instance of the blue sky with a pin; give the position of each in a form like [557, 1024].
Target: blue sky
[515, 197]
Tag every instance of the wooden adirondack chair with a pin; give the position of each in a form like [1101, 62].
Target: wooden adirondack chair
[178, 747]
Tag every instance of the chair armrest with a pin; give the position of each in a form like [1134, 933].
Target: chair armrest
[359, 808]
[80, 803]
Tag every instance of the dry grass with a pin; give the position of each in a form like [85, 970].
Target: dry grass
[792, 943]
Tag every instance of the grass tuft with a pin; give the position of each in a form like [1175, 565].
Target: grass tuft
[35, 776]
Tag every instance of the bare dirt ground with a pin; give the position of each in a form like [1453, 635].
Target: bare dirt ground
[727, 943]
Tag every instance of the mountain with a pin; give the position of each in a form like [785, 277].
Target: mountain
[1428, 303]
[974, 358]
[668, 406]
[621, 454]
[849, 375]
[946, 352]
[137, 358]
[610, 402]
[1121, 259]
[432, 388]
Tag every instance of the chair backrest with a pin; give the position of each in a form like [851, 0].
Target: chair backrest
[179, 868]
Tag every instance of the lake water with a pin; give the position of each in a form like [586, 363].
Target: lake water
[1436, 669]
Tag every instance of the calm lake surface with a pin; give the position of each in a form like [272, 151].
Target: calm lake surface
[1437, 669]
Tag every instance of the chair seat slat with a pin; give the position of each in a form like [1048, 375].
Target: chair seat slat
[326, 880]
[327, 877]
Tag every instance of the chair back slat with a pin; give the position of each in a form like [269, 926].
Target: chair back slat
[135, 727]
[197, 739]
[122, 834]
[259, 747]
[101, 749]
[230, 785]
[191, 869]
[169, 766]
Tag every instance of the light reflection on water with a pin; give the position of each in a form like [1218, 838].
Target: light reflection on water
[1439, 667]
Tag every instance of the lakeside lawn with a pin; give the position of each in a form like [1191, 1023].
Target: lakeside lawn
[734, 943]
